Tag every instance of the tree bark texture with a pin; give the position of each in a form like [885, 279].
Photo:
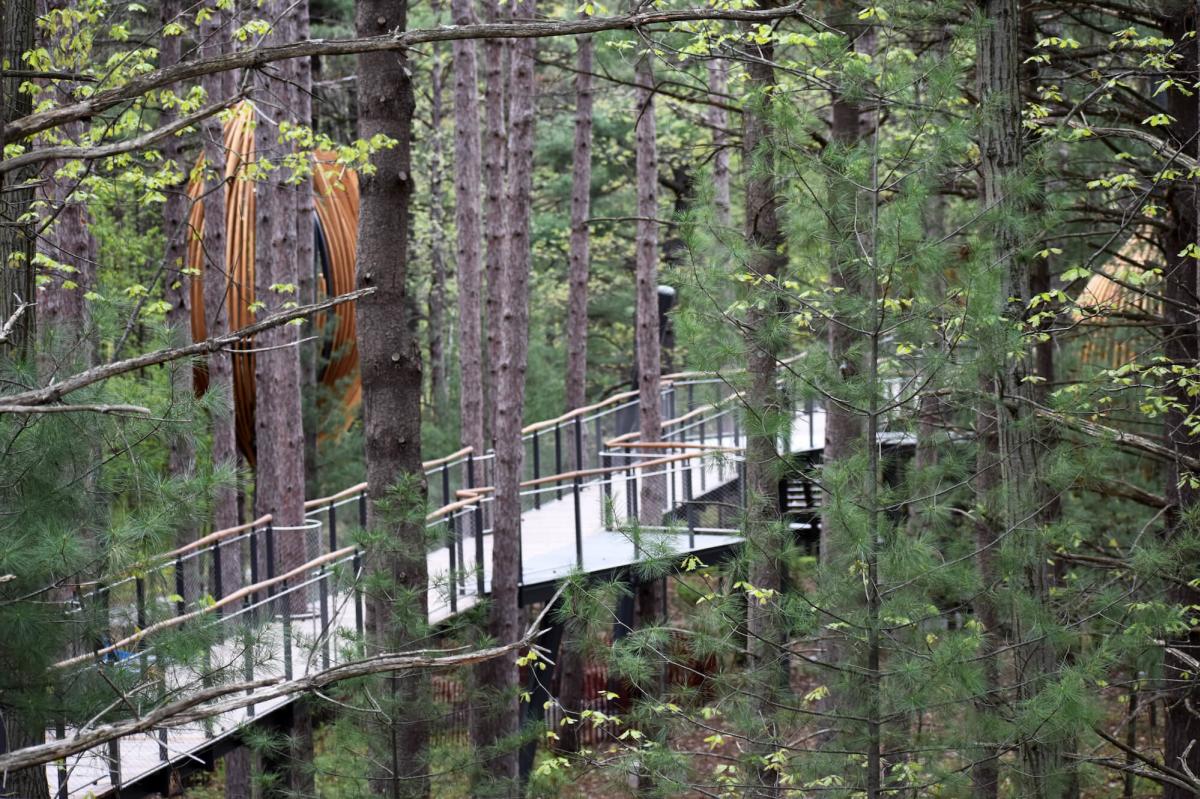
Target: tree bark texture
[718, 119]
[278, 425]
[1181, 345]
[181, 449]
[646, 322]
[16, 239]
[495, 157]
[390, 361]
[63, 315]
[216, 289]
[439, 389]
[579, 258]
[765, 414]
[1006, 461]
[500, 718]
[468, 211]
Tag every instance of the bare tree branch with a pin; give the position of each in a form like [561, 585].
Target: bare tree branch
[10, 325]
[115, 409]
[118, 147]
[259, 57]
[55, 392]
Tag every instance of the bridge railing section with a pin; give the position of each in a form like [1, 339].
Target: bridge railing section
[249, 612]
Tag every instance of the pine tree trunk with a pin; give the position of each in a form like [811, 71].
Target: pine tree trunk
[717, 118]
[579, 259]
[439, 391]
[467, 212]
[765, 422]
[1181, 345]
[501, 718]
[1006, 462]
[652, 501]
[651, 594]
[390, 361]
[844, 428]
[494, 162]
[181, 450]
[62, 310]
[16, 240]
[278, 427]
[215, 288]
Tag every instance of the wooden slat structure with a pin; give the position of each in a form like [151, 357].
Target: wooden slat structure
[336, 203]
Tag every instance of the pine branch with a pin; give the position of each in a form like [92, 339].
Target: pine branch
[55, 392]
[261, 56]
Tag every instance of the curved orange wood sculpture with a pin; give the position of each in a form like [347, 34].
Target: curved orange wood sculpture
[335, 200]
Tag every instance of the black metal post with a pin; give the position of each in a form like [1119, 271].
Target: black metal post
[478, 529]
[114, 763]
[60, 733]
[253, 572]
[362, 510]
[333, 538]
[558, 459]
[218, 578]
[452, 534]
[179, 587]
[285, 609]
[579, 443]
[689, 507]
[324, 632]
[606, 482]
[445, 484]
[578, 527]
[358, 605]
[537, 469]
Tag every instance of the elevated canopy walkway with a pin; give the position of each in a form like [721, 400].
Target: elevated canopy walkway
[224, 609]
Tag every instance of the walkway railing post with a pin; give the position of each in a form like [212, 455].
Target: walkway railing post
[285, 610]
[578, 527]
[478, 528]
[451, 535]
[324, 632]
[362, 510]
[689, 508]
[60, 734]
[114, 763]
[179, 586]
[356, 565]
[333, 537]
[254, 564]
[579, 443]
[537, 468]
[599, 442]
[558, 459]
[445, 483]
[218, 578]
[606, 481]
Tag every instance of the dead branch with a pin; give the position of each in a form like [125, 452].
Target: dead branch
[55, 392]
[9, 326]
[116, 409]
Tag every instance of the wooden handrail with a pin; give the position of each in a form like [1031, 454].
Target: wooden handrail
[667, 445]
[433, 464]
[357, 488]
[571, 414]
[175, 621]
[213, 537]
